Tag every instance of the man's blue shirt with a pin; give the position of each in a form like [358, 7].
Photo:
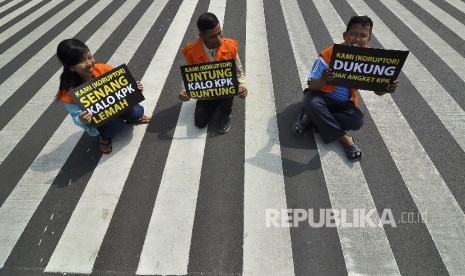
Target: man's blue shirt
[341, 93]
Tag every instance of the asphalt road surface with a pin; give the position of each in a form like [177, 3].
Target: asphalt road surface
[172, 199]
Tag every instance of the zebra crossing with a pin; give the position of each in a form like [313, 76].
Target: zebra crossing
[362, 250]
[176, 200]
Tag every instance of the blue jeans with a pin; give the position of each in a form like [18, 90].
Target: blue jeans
[332, 118]
[112, 127]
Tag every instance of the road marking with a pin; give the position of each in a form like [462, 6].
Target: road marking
[267, 250]
[168, 238]
[17, 12]
[9, 87]
[27, 20]
[453, 59]
[449, 21]
[49, 50]
[68, 257]
[364, 249]
[445, 219]
[104, 195]
[29, 192]
[9, 5]
[457, 4]
[167, 242]
[21, 204]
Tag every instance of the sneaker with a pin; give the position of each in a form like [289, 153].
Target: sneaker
[299, 126]
[225, 124]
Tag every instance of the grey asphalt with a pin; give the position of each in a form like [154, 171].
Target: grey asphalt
[217, 238]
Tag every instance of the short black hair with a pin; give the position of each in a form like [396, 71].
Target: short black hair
[207, 21]
[360, 19]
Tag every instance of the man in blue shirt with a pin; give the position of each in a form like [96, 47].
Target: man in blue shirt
[332, 109]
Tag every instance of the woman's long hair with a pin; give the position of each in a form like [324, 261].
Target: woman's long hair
[70, 52]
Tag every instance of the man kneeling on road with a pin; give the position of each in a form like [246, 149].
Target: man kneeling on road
[210, 47]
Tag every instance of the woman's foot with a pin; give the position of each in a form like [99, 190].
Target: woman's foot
[105, 146]
[142, 121]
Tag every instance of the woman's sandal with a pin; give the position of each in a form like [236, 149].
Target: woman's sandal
[105, 146]
[142, 121]
[353, 152]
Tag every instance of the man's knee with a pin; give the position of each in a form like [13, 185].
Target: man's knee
[358, 122]
[314, 104]
[200, 122]
[203, 112]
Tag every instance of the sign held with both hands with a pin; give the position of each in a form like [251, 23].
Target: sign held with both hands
[365, 68]
[209, 81]
[108, 95]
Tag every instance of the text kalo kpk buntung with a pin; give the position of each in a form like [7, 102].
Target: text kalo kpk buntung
[210, 80]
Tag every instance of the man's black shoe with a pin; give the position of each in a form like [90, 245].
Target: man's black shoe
[225, 124]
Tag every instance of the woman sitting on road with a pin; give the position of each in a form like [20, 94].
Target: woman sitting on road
[79, 67]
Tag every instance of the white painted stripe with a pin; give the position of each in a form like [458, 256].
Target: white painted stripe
[9, 5]
[168, 238]
[167, 242]
[140, 30]
[267, 250]
[17, 127]
[303, 48]
[29, 193]
[443, 105]
[92, 215]
[42, 29]
[27, 20]
[364, 249]
[457, 4]
[453, 59]
[218, 7]
[445, 220]
[444, 217]
[21, 204]
[32, 65]
[17, 12]
[453, 24]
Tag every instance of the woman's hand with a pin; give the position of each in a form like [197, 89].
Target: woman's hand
[85, 117]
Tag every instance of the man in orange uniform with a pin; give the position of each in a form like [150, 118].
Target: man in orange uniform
[209, 47]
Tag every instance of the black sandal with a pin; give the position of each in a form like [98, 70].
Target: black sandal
[300, 126]
[353, 152]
